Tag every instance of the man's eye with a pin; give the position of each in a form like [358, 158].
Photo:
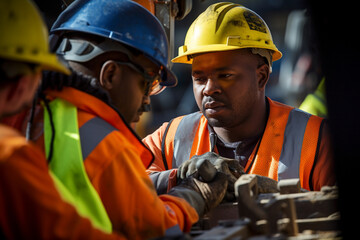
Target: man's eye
[199, 79]
[225, 75]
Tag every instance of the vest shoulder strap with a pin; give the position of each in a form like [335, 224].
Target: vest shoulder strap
[310, 150]
[163, 145]
[288, 146]
[300, 147]
[183, 131]
[289, 162]
[92, 133]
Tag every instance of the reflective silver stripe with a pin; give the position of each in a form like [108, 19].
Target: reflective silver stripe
[184, 138]
[289, 161]
[174, 231]
[92, 133]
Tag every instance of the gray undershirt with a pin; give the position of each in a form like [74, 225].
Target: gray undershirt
[240, 150]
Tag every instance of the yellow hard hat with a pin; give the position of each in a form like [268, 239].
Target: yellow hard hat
[24, 35]
[226, 26]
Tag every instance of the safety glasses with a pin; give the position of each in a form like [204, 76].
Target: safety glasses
[152, 79]
[76, 53]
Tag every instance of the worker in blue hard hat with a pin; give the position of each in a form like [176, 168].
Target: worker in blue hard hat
[118, 54]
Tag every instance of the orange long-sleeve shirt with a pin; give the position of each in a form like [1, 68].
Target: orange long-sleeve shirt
[117, 169]
[30, 205]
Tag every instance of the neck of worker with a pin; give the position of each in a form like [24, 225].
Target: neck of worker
[253, 127]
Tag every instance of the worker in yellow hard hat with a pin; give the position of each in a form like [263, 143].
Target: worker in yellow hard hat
[231, 51]
[30, 204]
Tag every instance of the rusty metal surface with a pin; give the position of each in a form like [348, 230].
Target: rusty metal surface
[291, 213]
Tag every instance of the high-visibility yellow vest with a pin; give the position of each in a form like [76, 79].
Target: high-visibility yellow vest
[67, 167]
[315, 103]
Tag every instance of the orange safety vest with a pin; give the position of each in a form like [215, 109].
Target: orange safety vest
[287, 149]
[115, 161]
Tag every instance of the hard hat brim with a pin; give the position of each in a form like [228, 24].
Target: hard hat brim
[46, 61]
[54, 64]
[171, 80]
[184, 56]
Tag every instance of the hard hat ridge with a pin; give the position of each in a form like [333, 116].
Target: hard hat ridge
[222, 11]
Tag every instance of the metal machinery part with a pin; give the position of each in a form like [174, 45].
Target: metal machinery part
[293, 213]
[167, 11]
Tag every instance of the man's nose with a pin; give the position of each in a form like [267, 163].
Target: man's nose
[212, 86]
[146, 103]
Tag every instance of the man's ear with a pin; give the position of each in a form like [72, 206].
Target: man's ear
[107, 73]
[21, 92]
[16, 89]
[262, 73]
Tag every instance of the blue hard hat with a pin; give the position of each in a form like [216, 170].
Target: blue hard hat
[122, 21]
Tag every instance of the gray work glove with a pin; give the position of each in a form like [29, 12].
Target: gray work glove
[204, 189]
[230, 167]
